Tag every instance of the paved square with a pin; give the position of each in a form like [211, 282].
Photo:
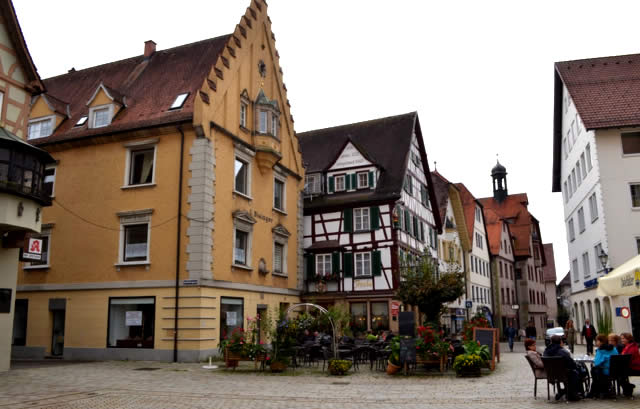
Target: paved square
[118, 385]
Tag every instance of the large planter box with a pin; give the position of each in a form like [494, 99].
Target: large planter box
[439, 363]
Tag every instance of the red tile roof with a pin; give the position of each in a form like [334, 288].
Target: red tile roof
[494, 230]
[606, 90]
[549, 270]
[514, 209]
[148, 85]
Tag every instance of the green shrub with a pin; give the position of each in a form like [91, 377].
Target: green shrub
[467, 361]
[339, 366]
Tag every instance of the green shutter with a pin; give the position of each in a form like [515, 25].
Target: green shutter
[311, 265]
[332, 184]
[422, 232]
[347, 182]
[374, 213]
[370, 179]
[348, 220]
[416, 231]
[423, 195]
[347, 264]
[335, 262]
[354, 181]
[377, 264]
[407, 221]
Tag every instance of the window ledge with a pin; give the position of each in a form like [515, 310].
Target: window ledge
[594, 220]
[244, 196]
[363, 276]
[245, 129]
[633, 209]
[280, 211]
[241, 267]
[132, 263]
[37, 267]
[283, 275]
[137, 186]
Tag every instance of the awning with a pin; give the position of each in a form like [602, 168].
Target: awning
[624, 280]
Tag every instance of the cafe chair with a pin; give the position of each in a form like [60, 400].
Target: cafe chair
[536, 376]
[619, 371]
[557, 373]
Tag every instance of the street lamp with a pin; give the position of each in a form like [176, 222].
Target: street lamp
[604, 258]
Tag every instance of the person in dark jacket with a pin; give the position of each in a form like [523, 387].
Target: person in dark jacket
[531, 331]
[574, 387]
[589, 334]
[510, 333]
[600, 386]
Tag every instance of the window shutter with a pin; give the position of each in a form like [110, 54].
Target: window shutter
[354, 181]
[335, 262]
[416, 232]
[422, 232]
[332, 184]
[375, 217]
[377, 264]
[348, 220]
[347, 264]
[407, 221]
[311, 265]
[370, 179]
[423, 195]
[347, 182]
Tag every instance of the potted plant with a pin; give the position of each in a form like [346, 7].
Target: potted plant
[393, 365]
[430, 348]
[339, 367]
[475, 357]
[281, 335]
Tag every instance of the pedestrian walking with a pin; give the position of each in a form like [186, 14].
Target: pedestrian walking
[589, 334]
[570, 333]
[510, 332]
[531, 331]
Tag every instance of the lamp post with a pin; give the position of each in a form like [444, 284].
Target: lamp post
[604, 259]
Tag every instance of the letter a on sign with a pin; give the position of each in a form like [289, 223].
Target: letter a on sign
[34, 246]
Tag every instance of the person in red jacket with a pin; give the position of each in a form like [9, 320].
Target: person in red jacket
[630, 348]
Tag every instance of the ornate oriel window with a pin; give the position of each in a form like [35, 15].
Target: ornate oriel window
[267, 114]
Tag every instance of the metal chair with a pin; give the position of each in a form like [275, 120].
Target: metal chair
[535, 376]
[619, 370]
[557, 373]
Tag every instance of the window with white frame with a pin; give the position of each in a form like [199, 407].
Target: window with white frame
[363, 264]
[340, 184]
[575, 271]
[596, 253]
[478, 215]
[363, 180]
[572, 232]
[479, 239]
[241, 248]
[279, 193]
[313, 183]
[262, 122]
[135, 230]
[49, 182]
[140, 166]
[573, 179]
[583, 166]
[585, 264]
[242, 172]
[581, 223]
[40, 128]
[242, 238]
[361, 217]
[45, 235]
[635, 194]
[323, 264]
[587, 153]
[578, 173]
[243, 115]
[274, 125]
[593, 207]
[101, 116]
[278, 258]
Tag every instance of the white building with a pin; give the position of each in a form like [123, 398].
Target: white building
[596, 165]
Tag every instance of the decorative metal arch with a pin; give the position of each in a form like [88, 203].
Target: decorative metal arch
[324, 311]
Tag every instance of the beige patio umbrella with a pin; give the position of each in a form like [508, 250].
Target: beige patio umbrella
[624, 280]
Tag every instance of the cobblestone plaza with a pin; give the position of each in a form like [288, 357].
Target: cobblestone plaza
[121, 385]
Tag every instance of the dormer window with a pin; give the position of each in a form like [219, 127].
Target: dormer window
[179, 101]
[340, 184]
[101, 116]
[40, 128]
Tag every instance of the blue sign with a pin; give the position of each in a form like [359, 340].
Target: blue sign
[591, 283]
[468, 304]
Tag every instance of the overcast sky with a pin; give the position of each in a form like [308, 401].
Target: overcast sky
[479, 73]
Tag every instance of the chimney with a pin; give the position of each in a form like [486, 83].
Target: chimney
[149, 48]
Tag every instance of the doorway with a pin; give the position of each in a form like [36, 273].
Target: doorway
[57, 306]
[261, 314]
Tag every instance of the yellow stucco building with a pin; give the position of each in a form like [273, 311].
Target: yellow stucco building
[176, 201]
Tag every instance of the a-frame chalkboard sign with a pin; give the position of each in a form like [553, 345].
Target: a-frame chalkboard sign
[488, 337]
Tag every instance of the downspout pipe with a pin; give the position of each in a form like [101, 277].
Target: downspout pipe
[178, 236]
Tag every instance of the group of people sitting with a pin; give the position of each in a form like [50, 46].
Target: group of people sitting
[607, 346]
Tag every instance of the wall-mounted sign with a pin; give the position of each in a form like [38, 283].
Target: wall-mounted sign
[32, 250]
[468, 304]
[395, 308]
[350, 157]
[133, 318]
[363, 285]
[262, 217]
[232, 318]
[623, 312]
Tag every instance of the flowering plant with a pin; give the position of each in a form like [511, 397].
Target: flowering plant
[430, 345]
[235, 342]
[477, 321]
[467, 361]
[474, 348]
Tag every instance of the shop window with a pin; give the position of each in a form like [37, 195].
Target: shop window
[379, 316]
[231, 315]
[131, 322]
[20, 314]
[358, 317]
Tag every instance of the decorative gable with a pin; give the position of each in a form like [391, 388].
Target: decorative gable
[350, 157]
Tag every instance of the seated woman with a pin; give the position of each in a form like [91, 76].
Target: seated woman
[600, 371]
[530, 347]
[614, 339]
[630, 348]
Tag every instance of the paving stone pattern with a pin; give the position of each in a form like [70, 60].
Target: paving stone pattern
[117, 385]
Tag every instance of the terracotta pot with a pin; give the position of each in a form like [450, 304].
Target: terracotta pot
[278, 366]
[391, 368]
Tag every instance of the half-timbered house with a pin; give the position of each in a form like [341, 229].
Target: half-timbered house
[367, 210]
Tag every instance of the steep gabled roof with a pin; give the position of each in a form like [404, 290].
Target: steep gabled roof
[514, 210]
[386, 141]
[20, 46]
[469, 203]
[494, 230]
[549, 269]
[150, 85]
[441, 188]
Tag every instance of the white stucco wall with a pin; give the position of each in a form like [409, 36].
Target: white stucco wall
[8, 278]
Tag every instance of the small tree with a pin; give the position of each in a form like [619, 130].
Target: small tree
[422, 286]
